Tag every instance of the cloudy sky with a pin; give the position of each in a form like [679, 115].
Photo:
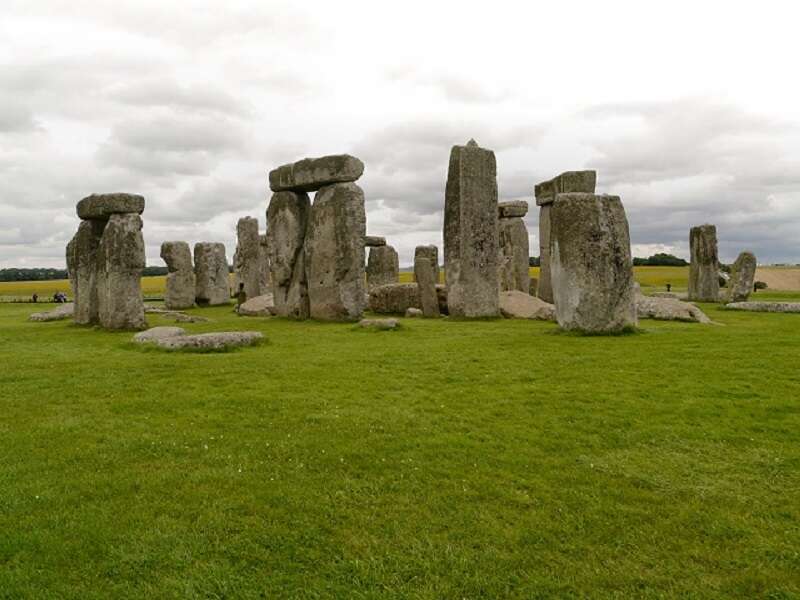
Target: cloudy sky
[688, 110]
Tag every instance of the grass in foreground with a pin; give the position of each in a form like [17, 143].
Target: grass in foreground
[443, 460]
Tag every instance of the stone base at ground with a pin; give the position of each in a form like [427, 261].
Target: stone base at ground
[154, 334]
[397, 298]
[519, 305]
[211, 341]
[260, 306]
[380, 324]
[743, 274]
[668, 309]
[776, 307]
[59, 313]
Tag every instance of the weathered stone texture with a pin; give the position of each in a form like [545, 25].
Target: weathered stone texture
[569, 181]
[102, 206]
[777, 307]
[211, 341]
[383, 266]
[397, 298]
[511, 209]
[591, 266]
[287, 222]
[470, 232]
[248, 249]
[743, 275]
[121, 260]
[374, 240]
[545, 287]
[72, 264]
[668, 309]
[85, 246]
[704, 264]
[334, 249]
[180, 289]
[59, 313]
[425, 274]
[312, 174]
[519, 305]
[211, 274]
[514, 255]
[263, 264]
[431, 253]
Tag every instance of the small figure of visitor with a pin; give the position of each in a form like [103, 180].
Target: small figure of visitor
[241, 297]
[669, 287]
[35, 298]
[59, 297]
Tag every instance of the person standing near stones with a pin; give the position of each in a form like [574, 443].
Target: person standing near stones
[241, 297]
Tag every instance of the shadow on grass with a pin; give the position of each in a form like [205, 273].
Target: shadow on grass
[626, 331]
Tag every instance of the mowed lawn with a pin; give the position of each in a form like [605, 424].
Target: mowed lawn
[448, 459]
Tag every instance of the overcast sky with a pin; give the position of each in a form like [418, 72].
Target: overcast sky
[690, 111]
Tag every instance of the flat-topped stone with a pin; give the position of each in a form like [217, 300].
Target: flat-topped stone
[102, 206]
[778, 307]
[513, 208]
[374, 241]
[569, 181]
[211, 341]
[154, 334]
[310, 174]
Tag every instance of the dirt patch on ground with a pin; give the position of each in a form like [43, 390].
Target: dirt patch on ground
[779, 278]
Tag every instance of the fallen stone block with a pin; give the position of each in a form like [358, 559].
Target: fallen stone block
[260, 306]
[412, 313]
[773, 307]
[668, 309]
[379, 324]
[212, 341]
[59, 313]
[154, 334]
[519, 305]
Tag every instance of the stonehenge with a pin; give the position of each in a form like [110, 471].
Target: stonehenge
[590, 264]
[425, 273]
[106, 258]
[545, 194]
[317, 252]
[430, 252]
[211, 274]
[470, 232]
[263, 264]
[248, 251]
[374, 241]
[514, 247]
[703, 264]
[180, 287]
[383, 266]
[743, 275]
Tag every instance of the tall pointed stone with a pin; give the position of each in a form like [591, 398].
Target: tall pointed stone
[470, 232]
[743, 275]
[514, 247]
[247, 263]
[704, 264]
[287, 222]
[425, 274]
[121, 260]
[211, 274]
[180, 288]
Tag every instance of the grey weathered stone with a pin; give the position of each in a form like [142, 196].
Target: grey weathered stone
[470, 232]
[211, 274]
[743, 275]
[533, 286]
[260, 306]
[121, 260]
[372, 241]
[72, 263]
[248, 266]
[545, 194]
[263, 264]
[287, 222]
[211, 341]
[383, 266]
[511, 209]
[672, 295]
[591, 266]
[379, 324]
[59, 313]
[312, 174]
[154, 334]
[397, 298]
[430, 252]
[412, 312]
[334, 249]
[85, 245]
[515, 304]
[569, 181]
[102, 206]
[776, 307]
[514, 256]
[425, 274]
[668, 309]
[704, 264]
[180, 287]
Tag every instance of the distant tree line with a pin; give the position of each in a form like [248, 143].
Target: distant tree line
[660, 260]
[40, 274]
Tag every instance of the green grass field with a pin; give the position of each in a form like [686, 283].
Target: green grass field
[449, 459]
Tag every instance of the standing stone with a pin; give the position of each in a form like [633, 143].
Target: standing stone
[470, 232]
[121, 260]
[383, 266]
[249, 268]
[591, 266]
[425, 274]
[311, 174]
[180, 292]
[431, 253]
[545, 194]
[211, 274]
[743, 275]
[514, 256]
[704, 264]
[85, 246]
[72, 264]
[334, 250]
[263, 264]
[287, 221]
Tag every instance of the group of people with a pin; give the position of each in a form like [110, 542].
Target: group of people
[58, 298]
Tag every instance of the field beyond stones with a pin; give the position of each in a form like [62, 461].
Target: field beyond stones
[448, 459]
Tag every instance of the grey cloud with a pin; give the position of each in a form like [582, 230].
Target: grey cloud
[452, 87]
[167, 92]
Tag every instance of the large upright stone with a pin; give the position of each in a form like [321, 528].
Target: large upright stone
[514, 255]
[211, 274]
[704, 264]
[180, 290]
[84, 249]
[263, 264]
[383, 266]
[545, 194]
[591, 266]
[72, 264]
[287, 222]
[470, 232]
[102, 206]
[743, 275]
[311, 174]
[431, 253]
[425, 274]
[121, 260]
[335, 253]
[248, 266]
